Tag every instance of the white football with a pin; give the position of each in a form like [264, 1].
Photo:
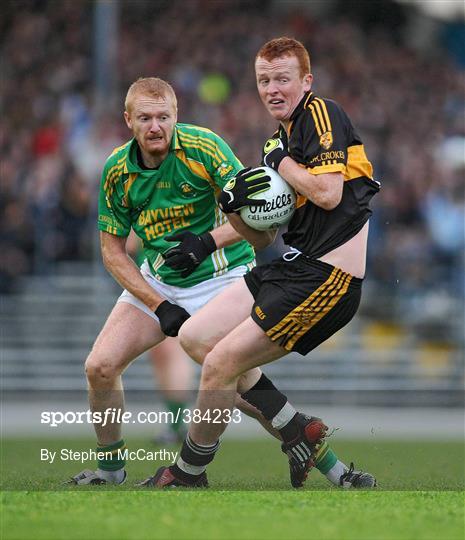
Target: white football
[279, 208]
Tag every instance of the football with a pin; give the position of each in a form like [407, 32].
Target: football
[279, 208]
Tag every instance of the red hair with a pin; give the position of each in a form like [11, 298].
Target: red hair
[285, 46]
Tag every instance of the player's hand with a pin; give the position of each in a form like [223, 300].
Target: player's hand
[238, 192]
[171, 317]
[274, 151]
[190, 252]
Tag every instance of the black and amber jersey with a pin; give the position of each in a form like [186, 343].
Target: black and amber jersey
[321, 138]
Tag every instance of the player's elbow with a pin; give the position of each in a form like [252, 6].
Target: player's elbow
[264, 239]
[328, 200]
[329, 204]
[327, 189]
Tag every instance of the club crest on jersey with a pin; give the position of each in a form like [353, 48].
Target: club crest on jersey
[224, 169]
[326, 140]
[186, 189]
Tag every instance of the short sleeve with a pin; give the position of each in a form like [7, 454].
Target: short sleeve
[322, 135]
[226, 165]
[113, 213]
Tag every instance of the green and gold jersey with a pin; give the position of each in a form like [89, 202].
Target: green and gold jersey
[179, 195]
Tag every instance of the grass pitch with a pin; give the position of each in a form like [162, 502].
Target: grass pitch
[420, 496]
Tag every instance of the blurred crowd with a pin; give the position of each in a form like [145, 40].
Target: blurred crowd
[407, 104]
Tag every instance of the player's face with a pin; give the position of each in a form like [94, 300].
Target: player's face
[152, 122]
[280, 85]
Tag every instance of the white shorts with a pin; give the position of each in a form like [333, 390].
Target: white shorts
[190, 298]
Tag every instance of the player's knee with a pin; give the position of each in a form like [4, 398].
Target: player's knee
[216, 369]
[100, 371]
[196, 347]
[212, 373]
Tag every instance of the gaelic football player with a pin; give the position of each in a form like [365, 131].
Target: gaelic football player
[162, 184]
[296, 302]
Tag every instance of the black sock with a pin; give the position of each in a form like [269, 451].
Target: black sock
[290, 431]
[265, 397]
[182, 475]
[194, 458]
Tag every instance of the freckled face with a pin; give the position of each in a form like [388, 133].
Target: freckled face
[152, 122]
[280, 85]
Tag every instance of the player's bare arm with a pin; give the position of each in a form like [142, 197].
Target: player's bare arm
[225, 235]
[124, 270]
[324, 190]
[258, 239]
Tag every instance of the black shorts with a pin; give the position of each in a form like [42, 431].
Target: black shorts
[301, 303]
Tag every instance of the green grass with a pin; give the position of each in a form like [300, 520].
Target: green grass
[420, 496]
[254, 464]
[242, 515]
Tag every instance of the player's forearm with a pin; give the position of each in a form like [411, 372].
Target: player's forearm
[125, 272]
[225, 235]
[258, 239]
[324, 190]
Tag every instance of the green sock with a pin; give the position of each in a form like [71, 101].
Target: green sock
[325, 458]
[176, 408]
[113, 459]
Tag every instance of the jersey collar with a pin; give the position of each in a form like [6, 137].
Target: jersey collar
[175, 145]
[301, 106]
[131, 165]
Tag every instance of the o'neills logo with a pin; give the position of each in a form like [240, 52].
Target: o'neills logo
[280, 201]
